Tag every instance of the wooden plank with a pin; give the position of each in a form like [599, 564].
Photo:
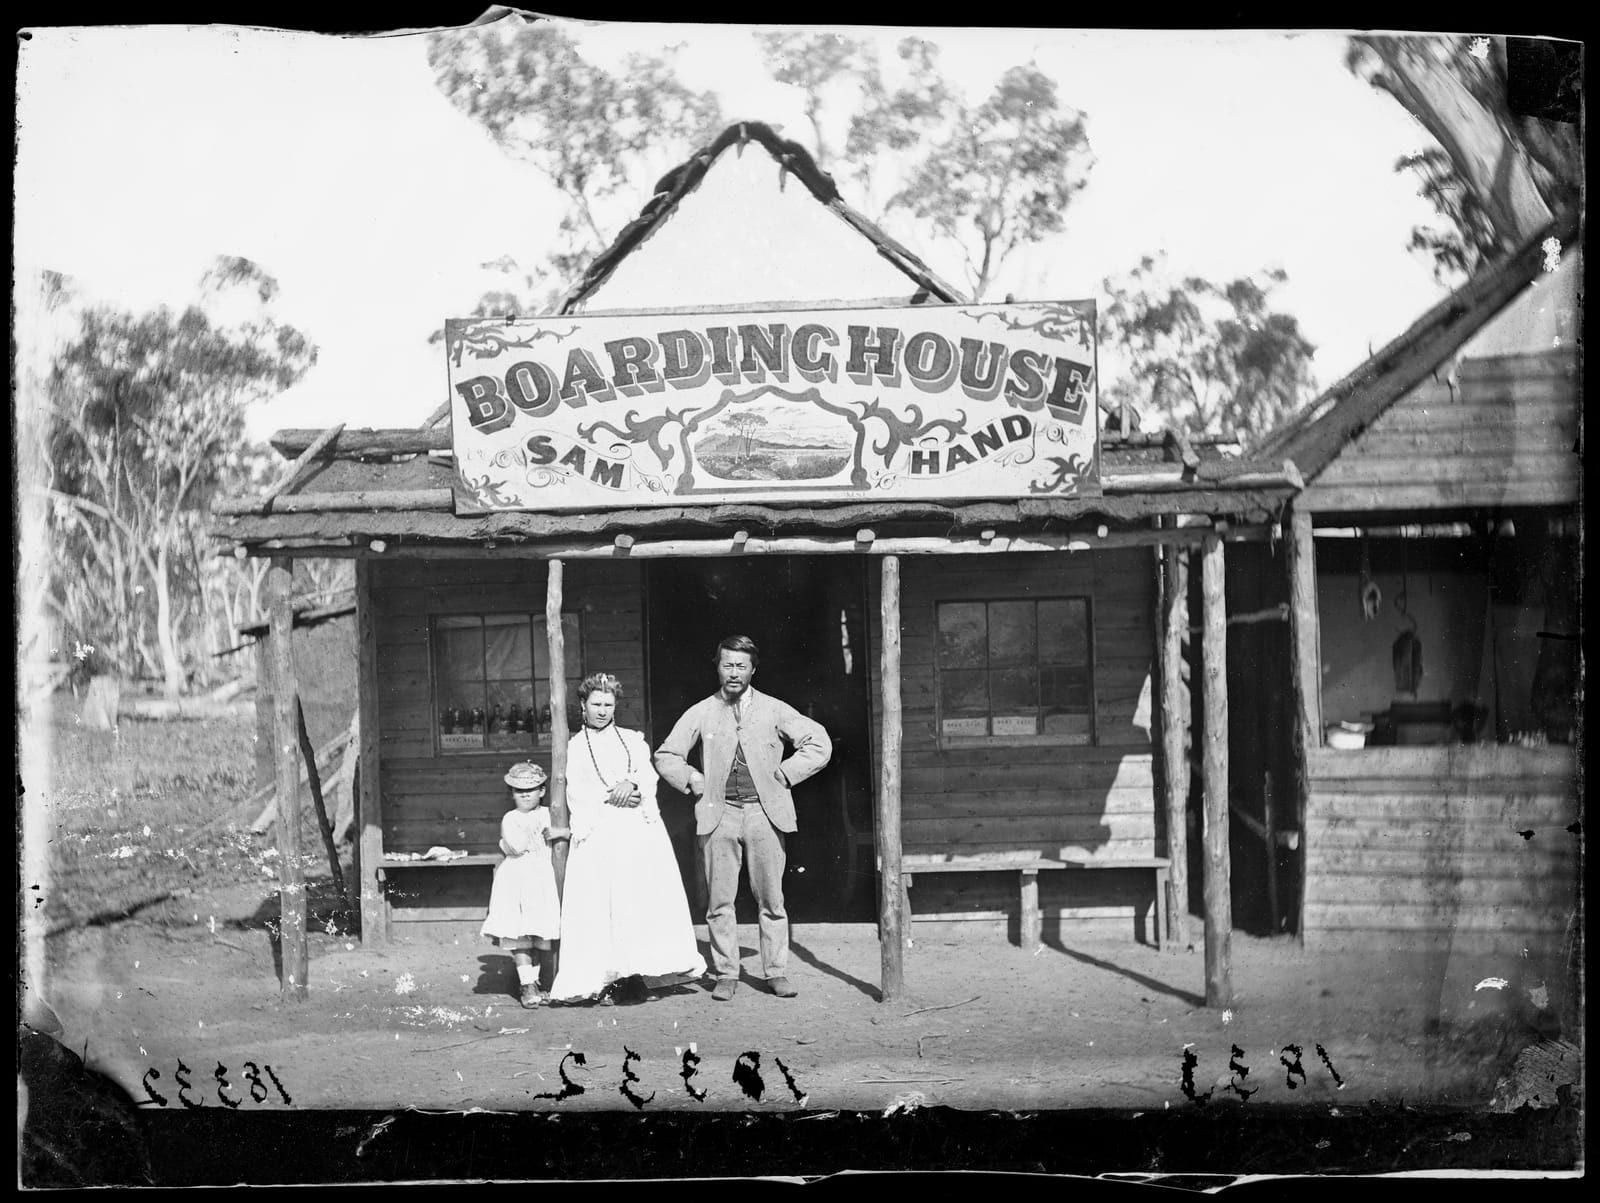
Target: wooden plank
[369, 813]
[1064, 769]
[1029, 803]
[286, 765]
[298, 470]
[1506, 442]
[1436, 889]
[366, 441]
[1548, 922]
[1498, 467]
[1560, 489]
[1490, 411]
[961, 830]
[1218, 900]
[406, 501]
[1553, 764]
[308, 756]
[891, 895]
[1530, 862]
[1453, 809]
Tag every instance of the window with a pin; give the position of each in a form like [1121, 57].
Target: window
[491, 680]
[1014, 672]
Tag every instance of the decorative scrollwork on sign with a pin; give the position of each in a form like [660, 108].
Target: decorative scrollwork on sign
[1058, 322]
[486, 490]
[902, 432]
[1067, 479]
[634, 430]
[489, 338]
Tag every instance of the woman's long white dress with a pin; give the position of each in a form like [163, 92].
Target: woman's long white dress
[623, 909]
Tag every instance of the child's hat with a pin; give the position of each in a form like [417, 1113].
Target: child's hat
[526, 775]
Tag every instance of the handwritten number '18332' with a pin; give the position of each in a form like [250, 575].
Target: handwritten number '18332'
[226, 1091]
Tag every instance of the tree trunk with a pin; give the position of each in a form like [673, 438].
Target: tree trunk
[166, 640]
[1482, 147]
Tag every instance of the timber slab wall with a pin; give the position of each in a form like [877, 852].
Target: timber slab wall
[1466, 843]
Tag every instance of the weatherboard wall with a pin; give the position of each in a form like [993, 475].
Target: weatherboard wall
[456, 800]
[1492, 432]
[1094, 802]
[1465, 844]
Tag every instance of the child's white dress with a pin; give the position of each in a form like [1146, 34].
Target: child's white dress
[523, 903]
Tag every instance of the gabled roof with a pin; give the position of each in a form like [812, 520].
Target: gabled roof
[1313, 438]
[793, 160]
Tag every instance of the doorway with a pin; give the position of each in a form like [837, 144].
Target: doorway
[806, 615]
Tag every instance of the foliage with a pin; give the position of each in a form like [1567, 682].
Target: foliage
[1208, 358]
[1467, 236]
[593, 133]
[984, 181]
[146, 427]
[1496, 177]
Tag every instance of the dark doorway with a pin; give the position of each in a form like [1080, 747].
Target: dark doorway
[805, 613]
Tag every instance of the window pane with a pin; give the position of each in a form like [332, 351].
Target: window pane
[1064, 632]
[1014, 691]
[963, 691]
[963, 633]
[1011, 632]
[507, 646]
[1064, 690]
[459, 649]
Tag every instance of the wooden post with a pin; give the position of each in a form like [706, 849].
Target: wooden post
[369, 798]
[1175, 738]
[309, 755]
[1303, 629]
[1269, 824]
[286, 766]
[1219, 903]
[1305, 667]
[556, 638]
[1030, 922]
[891, 897]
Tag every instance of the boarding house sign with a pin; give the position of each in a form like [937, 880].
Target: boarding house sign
[924, 402]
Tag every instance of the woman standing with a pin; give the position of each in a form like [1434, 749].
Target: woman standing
[623, 911]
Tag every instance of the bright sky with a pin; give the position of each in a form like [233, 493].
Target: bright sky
[335, 163]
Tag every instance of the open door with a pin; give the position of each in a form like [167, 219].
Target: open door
[806, 617]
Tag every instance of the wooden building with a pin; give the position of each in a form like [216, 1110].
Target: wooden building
[1435, 570]
[897, 623]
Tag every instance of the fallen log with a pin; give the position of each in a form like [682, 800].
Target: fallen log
[167, 709]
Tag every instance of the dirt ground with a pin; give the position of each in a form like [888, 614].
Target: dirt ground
[181, 1001]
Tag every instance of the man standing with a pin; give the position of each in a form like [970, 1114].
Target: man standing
[743, 809]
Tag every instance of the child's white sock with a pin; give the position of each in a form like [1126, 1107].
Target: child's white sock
[527, 975]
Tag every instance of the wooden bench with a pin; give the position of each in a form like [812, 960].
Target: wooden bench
[471, 860]
[1031, 921]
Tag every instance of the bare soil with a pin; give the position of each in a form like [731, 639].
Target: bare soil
[192, 984]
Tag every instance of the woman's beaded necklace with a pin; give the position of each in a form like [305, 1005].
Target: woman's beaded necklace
[625, 749]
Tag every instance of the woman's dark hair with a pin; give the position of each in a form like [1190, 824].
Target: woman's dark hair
[601, 683]
[739, 643]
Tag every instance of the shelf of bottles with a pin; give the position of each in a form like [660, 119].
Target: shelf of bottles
[500, 728]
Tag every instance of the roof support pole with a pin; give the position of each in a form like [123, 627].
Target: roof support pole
[1175, 736]
[286, 774]
[1305, 667]
[891, 896]
[555, 635]
[369, 799]
[1219, 902]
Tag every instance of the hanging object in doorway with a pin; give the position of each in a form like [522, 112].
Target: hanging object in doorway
[1407, 662]
[1371, 595]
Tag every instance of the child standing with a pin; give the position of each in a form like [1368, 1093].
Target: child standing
[524, 909]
